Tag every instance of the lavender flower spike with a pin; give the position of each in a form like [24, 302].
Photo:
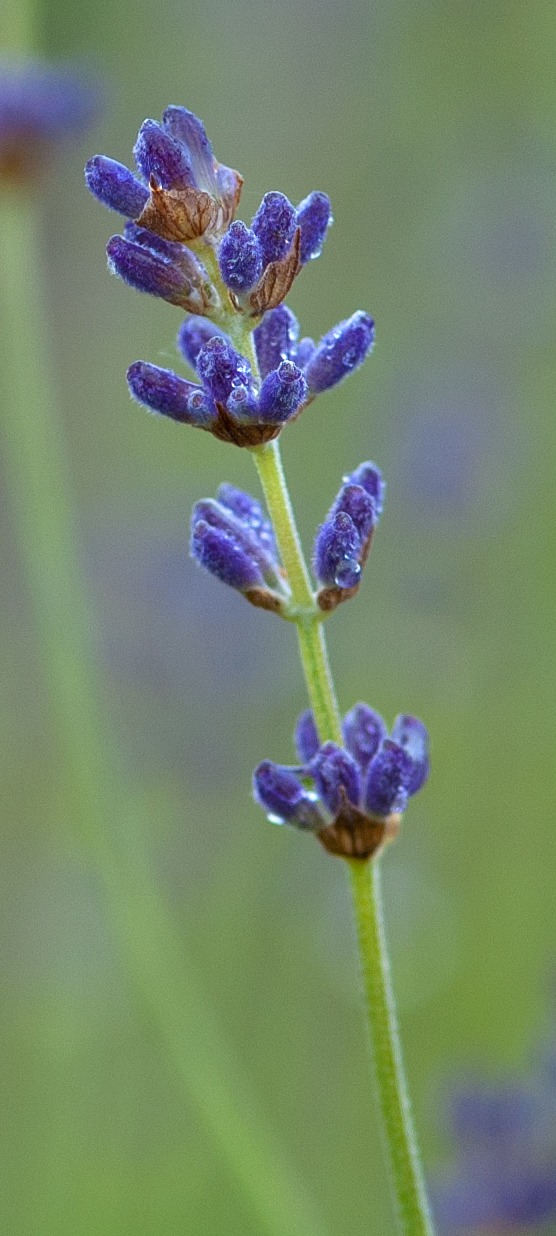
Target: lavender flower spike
[314, 217]
[340, 352]
[282, 393]
[240, 258]
[41, 107]
[115, 186]
[164, 392]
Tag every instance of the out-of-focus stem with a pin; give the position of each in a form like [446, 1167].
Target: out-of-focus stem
[400, 1138]
[107, 812]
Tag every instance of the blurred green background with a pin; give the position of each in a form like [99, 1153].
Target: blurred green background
[431, 124]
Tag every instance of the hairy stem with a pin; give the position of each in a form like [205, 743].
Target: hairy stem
[407, 1181]
[407, 1178]
[107, 811]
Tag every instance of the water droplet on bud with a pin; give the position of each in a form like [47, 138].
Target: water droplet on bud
[347, 574]
[275, 819]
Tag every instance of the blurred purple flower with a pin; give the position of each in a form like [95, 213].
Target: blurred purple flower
[503, 1179]
[41, 106]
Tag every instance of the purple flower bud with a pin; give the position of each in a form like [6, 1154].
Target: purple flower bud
[194, 332]
[334, 770]
[164, 392]
[370, 477]
[189, 131]
[306, 737]
[355, 502]
[218, 516]
[364, 731]
[147, 272]
[219, 366]
[242, 403]
[410, 734]
[224, 557]
[337, 549]
[172, 250]
[274, 226]
[251, 512]
[115, 186]
[314, 217]
[282, 393]
[240, 258]
[278, 790]
[340, 352]
[158, 154]
[303, 352]
[388, 778]
[275, 338]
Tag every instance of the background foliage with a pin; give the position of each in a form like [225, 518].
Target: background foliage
[431, 125]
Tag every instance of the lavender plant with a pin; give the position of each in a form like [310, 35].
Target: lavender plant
[253, 376]
[41, 107]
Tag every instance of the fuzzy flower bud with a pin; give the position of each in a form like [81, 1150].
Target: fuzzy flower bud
[194, 332]
[281, 794]
[274, 226]
[369, 476]
[163, 391]
[337, 550]
[225, 557]
[147, 271]
[240, 258]
[340, 352]
[242, 403]
[115, 186]
[282, 393]
[158, 154]
[303, 352]
[275, 338]
[352, 500]
[313, 216]
[364, 731]
[306, 736]
[388, 780]
[336, 774]
[220, 367]
[412, 736]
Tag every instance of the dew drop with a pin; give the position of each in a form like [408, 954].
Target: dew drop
[275, 819]
[347, 574]
[349, 357]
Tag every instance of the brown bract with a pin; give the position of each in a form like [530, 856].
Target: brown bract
[263, 598]
[276, 280]
[246, 434]
[354, 835]
[187, 214]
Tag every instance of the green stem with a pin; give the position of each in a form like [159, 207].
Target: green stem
[409, 1187]
[107, 811]
[409, 1191]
